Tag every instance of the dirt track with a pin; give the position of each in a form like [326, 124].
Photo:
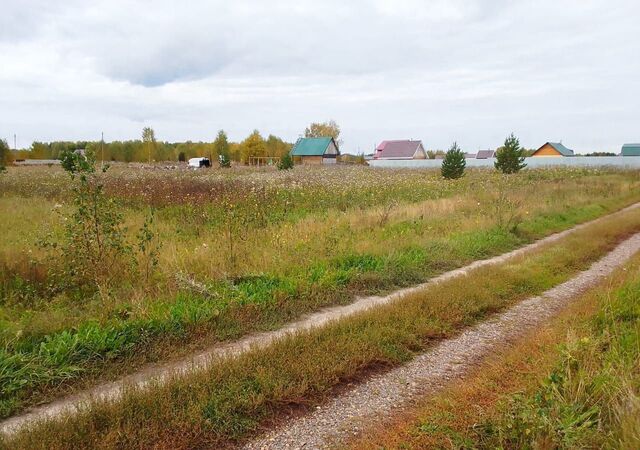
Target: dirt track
[369, 402]
[161, 373]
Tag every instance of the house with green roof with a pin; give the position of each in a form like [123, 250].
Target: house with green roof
[631, 150]
[553, 149]
[316, 150]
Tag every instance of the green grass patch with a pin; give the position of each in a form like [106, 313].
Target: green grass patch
[229, 400]
[33, 362]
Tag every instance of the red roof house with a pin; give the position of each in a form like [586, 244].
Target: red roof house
[402, 149]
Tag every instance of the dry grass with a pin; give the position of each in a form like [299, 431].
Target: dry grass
[315, 245]
[231, 399]
[470, 413]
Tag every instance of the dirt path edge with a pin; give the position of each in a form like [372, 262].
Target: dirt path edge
[370, 402]
[160, 373]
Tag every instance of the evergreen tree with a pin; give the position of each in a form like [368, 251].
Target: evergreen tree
[510, 158]
[221, 146]
[453, 164]
[286, 162]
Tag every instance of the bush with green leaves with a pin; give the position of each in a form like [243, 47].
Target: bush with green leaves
[286, 162]
[453, 164]
[95, 249]
[510, 157]
[5, 155]
[94, 246]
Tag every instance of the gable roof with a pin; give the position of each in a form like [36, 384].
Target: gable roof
[631, 150]
[564, 151]
[485, 154]
[312, 146]
[398, 149]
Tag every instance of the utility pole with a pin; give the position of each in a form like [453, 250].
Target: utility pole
[15, 142]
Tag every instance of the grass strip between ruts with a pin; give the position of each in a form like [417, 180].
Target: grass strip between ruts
[231, 399]
[574, 383]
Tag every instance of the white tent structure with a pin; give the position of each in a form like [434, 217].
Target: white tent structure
[196, 163]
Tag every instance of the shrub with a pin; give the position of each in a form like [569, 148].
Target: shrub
[286, 162]
[510, 157]
[224, 161]
[94, 244]
[454, 163]
[5, 155]
[94, 249]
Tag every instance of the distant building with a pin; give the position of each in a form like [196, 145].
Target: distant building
[553, 149]
[485, 154]
[401, 149]
[321, 150]
[631, 150]
[469, 155]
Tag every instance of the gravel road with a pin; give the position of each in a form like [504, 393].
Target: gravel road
[159, 373]
[368, 403]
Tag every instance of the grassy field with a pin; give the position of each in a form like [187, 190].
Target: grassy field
[572, 384]
[246, 250]
[231, 399]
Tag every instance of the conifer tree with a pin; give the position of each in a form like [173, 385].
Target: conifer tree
[453, 164]
[286, 162]
[510, 157]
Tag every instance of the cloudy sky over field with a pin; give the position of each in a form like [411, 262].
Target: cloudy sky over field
[440, 70]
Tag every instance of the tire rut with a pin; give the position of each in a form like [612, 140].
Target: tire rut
[368, 403]
[154, 374]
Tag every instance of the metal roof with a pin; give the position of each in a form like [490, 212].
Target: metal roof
[398, 149]
[485, 154]
[631, 150]
[311, 146]
[564, 151]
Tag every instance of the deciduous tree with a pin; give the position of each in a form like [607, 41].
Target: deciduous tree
[253, 145]
[149, 141]
[324, 129]
[5, 155]
[221, 147]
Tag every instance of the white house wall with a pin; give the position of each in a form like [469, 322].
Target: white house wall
[331, 149]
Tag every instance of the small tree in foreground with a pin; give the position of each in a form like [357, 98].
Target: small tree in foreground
[94, 242]
[286, 162]
[95, 249]
[453, 164]
[510, 157]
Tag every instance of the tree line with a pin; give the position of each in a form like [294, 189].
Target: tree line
[149, 149]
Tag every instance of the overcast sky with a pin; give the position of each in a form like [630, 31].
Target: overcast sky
[436, 70]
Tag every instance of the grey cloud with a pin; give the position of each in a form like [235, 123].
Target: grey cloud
[470, 70]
